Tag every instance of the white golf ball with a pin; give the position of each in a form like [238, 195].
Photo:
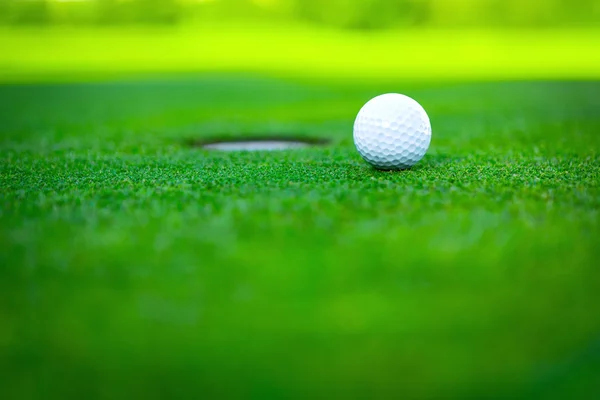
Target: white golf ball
[392, 131]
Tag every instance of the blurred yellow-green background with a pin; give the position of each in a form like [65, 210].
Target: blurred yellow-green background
[377, 39]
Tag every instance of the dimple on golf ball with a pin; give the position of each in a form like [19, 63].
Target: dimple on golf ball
[392, 131]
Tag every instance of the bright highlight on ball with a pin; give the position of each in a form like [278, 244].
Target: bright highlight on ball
[392, 132]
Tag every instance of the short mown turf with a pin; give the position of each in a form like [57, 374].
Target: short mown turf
[136, 266]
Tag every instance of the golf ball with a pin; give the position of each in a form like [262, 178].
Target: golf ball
[392, 131]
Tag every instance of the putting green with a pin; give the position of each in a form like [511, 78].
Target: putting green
[134, 265]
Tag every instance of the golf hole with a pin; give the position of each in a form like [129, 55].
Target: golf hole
[260, 144]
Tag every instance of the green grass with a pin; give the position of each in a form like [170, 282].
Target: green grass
[135, 266]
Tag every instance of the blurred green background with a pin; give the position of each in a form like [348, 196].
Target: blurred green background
[375, 39]
[353, 14]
